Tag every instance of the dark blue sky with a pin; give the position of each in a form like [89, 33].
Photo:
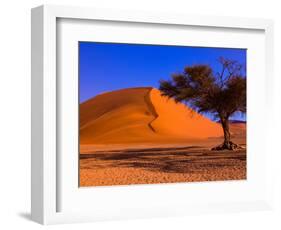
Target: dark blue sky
[110, 66]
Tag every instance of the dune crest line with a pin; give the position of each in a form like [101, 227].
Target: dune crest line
[151, 109]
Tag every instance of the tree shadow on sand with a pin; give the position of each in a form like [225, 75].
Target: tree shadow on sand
[169, 160]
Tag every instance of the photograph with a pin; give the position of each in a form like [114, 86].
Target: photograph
[153, 113]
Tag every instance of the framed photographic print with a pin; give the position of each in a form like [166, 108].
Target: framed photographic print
[139, 114]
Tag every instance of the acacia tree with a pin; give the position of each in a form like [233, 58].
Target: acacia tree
[222, 93]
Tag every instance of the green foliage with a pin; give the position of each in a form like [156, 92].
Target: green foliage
[222, 94]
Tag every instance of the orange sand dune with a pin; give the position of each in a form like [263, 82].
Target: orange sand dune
[141, 115]
[238, 130]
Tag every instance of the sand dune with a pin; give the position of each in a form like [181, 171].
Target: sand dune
[238, 129]
[141, 115]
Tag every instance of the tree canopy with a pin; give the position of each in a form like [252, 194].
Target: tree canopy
[222, 93]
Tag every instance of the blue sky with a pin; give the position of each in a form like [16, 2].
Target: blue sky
[106, 67]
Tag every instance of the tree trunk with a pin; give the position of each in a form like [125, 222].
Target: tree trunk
[226, 133]
[227, 144]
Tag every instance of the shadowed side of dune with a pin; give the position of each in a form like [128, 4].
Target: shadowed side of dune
[141, 115]
[117, 117]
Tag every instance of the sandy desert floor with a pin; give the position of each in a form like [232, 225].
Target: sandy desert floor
[160, 165]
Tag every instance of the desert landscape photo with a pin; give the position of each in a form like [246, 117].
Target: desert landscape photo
[153, 114]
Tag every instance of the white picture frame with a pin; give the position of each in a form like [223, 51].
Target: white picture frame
[46, 179]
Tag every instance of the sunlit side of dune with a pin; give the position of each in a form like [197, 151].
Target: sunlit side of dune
[177, 120]
[141, 115]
